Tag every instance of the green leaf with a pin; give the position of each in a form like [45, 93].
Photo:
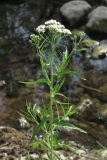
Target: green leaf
[64, 146]
[68, 126]
[71, 111]
[38, 128]
[73, 73]
[59, 102]
[62, 95]
[35, 82]
[58, 86]
[36, 144]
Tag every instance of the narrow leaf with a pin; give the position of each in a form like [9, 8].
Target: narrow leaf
[62, 95]
[68, 126]
[73, 73]
[38, 128]
[35, 82]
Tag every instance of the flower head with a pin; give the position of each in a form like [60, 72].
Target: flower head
[66, 31]
[41, 29]
[58, 28]
[53, 25]
[52, 22]
[34, 38]
[79, 34]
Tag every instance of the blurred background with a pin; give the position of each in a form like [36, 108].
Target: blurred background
[19, 60]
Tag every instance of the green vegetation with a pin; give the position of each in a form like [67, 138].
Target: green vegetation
[51, 41]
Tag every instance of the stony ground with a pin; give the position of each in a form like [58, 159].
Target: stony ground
[13, 145]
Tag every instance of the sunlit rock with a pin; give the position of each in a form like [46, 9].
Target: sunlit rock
[100, 51]
[97, 20]
[75, 12]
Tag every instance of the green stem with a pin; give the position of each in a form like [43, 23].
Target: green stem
[51, 98]
[51, 125]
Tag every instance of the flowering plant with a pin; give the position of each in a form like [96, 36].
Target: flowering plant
[51, 41]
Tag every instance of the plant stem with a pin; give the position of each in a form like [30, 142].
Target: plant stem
[51, 98]
[51, 125]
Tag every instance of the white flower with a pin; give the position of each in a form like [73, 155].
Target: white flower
[59, 28]
[32, 35]
[34, 38]
[53, 25]
[41, 29]
[52, 22]
[66, 31]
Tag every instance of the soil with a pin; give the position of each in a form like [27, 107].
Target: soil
[14, 145]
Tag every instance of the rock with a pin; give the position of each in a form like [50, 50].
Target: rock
[105, 2]
[97, 20]
[102, 112]
[100, 153]
[86, 108]
[75, 11]
[23, 123]
[99, 51]
[99, 65]
[13, 143]
[103, 96]
[89, 43]
[104, 154]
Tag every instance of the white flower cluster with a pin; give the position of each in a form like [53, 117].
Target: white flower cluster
[34, 36]
[52, 22]
[41, 29]
[53, 25]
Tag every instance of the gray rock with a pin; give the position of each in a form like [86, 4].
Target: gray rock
[98, 20]
[75, 11]
[100, 51]
[23, 123]
[105, 2]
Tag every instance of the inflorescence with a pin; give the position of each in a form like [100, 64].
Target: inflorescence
[53, 25]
